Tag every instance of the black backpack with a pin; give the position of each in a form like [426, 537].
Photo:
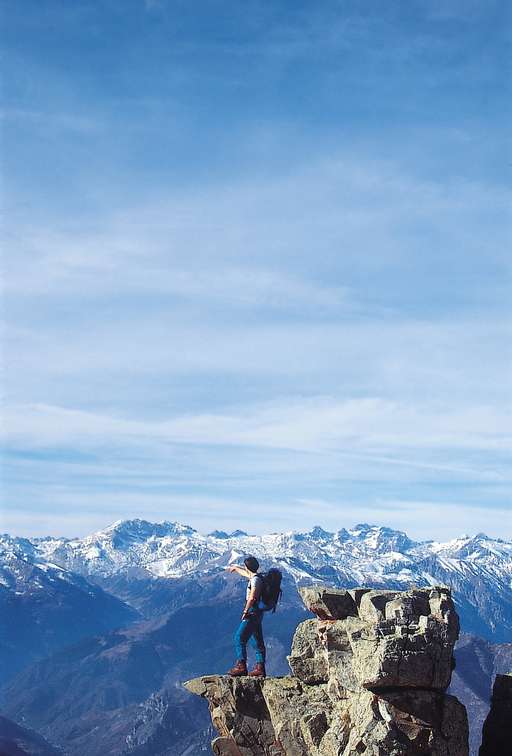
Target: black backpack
[271, 590]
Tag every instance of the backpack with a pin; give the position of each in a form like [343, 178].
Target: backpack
[271, 589]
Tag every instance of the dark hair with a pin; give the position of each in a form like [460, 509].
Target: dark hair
[252, 563]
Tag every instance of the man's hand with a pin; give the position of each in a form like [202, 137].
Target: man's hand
[245, 615]
[243, 571]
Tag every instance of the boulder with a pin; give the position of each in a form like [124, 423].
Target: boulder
[328, 603]
[372, 607]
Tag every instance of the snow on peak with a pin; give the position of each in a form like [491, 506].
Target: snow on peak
[141, 529]
[319, 532]
[363, 554]
[222, 535]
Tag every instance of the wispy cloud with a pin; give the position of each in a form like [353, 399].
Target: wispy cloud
[365, 430]
[252, 242]
[257, 254]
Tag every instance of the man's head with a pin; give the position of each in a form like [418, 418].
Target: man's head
[252, 564]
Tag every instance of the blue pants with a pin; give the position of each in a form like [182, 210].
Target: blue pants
[250, 630]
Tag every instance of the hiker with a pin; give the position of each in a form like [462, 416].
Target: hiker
[262, 595]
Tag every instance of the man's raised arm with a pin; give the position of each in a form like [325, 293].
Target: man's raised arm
[243, 571]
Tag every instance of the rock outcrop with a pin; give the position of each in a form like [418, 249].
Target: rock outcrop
[388, 640]
[369, 675]
[497, 730]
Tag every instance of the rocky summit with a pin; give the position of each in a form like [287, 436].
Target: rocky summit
[383, 639]
[369, 675]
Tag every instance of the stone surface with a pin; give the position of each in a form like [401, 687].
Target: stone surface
[368, 678]
[289, 718]
[239, 714]
[497, 730]
[308, 660]
[300, 714]
[396, 640]
[328, 603]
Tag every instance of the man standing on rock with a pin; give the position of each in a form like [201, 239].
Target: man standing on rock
[250, 628]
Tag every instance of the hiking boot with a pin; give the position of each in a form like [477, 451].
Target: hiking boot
[239, 670]
[258, 671]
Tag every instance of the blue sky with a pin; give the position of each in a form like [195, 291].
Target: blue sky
[257, 264]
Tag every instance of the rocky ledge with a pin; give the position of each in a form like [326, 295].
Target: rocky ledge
[369, 675]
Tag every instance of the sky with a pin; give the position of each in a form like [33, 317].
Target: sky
[256, 265]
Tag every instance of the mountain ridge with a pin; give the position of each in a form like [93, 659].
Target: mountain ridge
[175, 580]
[478, 568]
[171, 549]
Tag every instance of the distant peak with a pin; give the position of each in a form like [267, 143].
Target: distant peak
[362, 529]
[221, 534]
[319, 532]
[135, 523]
[137, 528]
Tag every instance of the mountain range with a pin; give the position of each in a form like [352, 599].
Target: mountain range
[111, 624]
[131, 552]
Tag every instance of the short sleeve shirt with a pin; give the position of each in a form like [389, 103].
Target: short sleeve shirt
[256, 583]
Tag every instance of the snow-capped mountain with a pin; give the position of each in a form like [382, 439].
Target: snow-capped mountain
[478, 568]
[187, 604]
[362, 553]
[44, 606]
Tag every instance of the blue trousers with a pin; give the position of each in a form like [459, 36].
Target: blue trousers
[250, 630]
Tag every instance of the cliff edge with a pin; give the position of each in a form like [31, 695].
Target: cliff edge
[369, 676]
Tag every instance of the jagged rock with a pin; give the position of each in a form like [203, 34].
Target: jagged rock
[372, 607]
[285, 717]
[239, 713]
[405, 722]
[300, 714]
[321, 652]
[337, 639]
[328, 603]
[357, 594]
[397, 640]
[371, 681]
[497, 730]
[308, 660]
[431, 721]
